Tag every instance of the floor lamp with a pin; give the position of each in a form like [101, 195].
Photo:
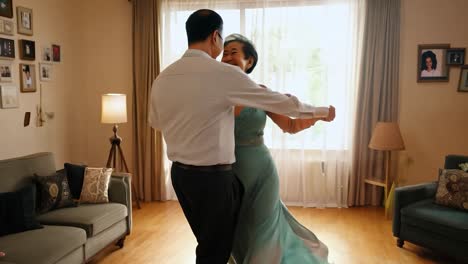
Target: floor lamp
[386, 137]
[114, 111]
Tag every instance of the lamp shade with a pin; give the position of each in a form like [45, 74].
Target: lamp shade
[386, 136]
[114, 109]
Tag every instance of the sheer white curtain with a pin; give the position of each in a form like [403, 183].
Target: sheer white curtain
[306, 48]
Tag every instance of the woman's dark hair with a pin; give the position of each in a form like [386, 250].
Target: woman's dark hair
[428, 54]
[201, 24]
[247, 47]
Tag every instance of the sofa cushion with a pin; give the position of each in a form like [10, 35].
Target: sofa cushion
[452, 189]
[75, 176]
[18, 172]
[96, 185]
[463, 166]
[53, 192]
[93, 218]
[443, 220]
[41, 246]
[17, 211]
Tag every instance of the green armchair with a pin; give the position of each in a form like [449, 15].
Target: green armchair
[419, 220]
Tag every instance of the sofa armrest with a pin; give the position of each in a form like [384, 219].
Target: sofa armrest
[407, 195]
[120, 191]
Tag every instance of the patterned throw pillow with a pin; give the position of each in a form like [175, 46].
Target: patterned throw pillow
[96, 185]
[464, 166]
[53, 192]
[453, 189]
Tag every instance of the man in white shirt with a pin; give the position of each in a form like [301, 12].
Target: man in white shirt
[192, 103]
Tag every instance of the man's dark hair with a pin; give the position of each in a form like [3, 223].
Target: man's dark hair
[428, 54]
[247, 47]
[201, 24]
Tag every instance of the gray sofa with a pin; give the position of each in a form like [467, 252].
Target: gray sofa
[70, 235]
[419, 220]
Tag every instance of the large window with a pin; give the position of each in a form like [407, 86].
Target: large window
[304, 49]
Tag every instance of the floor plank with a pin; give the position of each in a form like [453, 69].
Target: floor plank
[354, 236]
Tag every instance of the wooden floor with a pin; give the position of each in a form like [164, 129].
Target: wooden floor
[357, 235]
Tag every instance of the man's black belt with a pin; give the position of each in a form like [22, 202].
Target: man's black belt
[210, 168]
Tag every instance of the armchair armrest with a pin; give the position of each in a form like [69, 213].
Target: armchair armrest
[407, 195]
[120, 191]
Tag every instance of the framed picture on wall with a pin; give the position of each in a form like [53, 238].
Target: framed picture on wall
[463, 83]
[27, 49]
[6, 8]
[46, 53]
[7, 48]
[28, 78]
[6, 27]
[5, 71]
[45, 71]
[431, 63]
[25, 20]
[456, 56]
[9, 96]
[56, 56]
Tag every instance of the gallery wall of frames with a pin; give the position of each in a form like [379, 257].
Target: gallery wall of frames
[434, 63]
[17, 44]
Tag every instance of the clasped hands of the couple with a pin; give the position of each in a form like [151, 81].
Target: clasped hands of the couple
[331, 114]
[331, 109]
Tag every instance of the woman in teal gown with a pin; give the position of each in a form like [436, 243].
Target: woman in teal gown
[266, 231]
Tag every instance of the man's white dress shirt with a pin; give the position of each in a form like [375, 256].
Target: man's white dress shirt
[192, 103]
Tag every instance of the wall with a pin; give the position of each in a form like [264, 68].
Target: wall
[433, 116]
[95, 37]
[50, 25]
[103, 50]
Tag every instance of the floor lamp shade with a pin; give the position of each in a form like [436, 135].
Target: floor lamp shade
[114, 109]
[386, 136]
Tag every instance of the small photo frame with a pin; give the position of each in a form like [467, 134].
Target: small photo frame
[5, 71]
[456, 56]
[431, 63]
[9, 96]
[463, 83]
[46, 53]
[7, 48]
[6, 27]
[45, 71]
[27, 49]
[28, 77]
[6, 8]
[25, 20]
[56, 56]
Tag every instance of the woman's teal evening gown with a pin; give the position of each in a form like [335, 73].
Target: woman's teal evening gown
[266, 232]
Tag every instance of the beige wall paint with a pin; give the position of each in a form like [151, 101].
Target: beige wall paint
[433, 116]
[50, 25]
[103, 50]
[95, 37]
